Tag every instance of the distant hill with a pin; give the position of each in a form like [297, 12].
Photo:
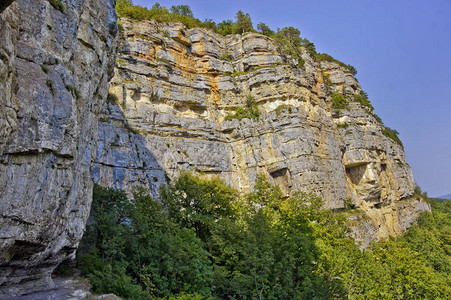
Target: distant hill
[445, 197]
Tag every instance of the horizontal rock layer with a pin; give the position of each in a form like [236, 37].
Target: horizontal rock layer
[178, 88]
[54, 70]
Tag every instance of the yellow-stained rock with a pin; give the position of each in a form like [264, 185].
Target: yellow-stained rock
[180, 98]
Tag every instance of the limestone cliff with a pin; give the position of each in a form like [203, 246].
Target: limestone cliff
[178, 93]
[55, 64]
[177, 90]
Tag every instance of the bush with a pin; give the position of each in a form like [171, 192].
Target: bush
[362, 98]
[58, 5]
[327, 81]
[327, 57]
[227, 56]
[392, 134]
[250, 110]
[338, 101]
[378, 118]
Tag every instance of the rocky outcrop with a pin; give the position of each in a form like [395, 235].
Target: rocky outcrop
[180, 90]
[390, 220]
[55, 64]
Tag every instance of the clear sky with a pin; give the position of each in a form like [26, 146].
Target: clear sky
[401, 50]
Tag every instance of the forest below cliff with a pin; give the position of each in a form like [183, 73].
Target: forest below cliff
[205, 241]
[202, 239]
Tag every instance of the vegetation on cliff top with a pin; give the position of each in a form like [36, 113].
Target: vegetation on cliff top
[205, 241]
[288, 38]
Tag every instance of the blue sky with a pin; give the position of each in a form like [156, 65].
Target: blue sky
[401, 50]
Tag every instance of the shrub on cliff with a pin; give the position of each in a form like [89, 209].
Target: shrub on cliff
[362, 98]
[250, 110]
[327, 57]
[392, 134]
[338, 101]
[225, 27]
[58, 5]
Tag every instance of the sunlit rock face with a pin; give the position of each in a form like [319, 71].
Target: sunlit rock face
[176, 88]
[54, 72]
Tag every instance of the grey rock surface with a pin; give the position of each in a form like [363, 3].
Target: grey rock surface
[54, 72]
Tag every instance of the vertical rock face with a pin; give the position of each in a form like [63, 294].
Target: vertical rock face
[54, 70]
[181, 91]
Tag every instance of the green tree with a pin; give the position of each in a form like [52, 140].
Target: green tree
[225, 27]
[432, 236]
[182, 10]
[289, 41]
[123, 7]
[290, 44]
[210, 24]
[243, 23]
[198, 203]
[137, 252]
[264, 29]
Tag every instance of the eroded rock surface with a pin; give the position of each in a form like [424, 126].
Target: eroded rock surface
[54, 71]
[178, 87]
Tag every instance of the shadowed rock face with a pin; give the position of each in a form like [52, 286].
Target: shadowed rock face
[4, 4]
[176, 87]
[54, 72]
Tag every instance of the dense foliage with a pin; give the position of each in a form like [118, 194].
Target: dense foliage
[203, 240]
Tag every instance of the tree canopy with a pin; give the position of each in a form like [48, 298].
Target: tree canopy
[203, 240]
